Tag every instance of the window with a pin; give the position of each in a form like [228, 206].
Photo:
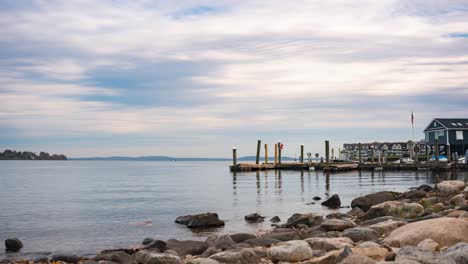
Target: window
[435, 124]
[459, 135]
[453, 124]
[427, 136]
[459, 124]
[438, 133]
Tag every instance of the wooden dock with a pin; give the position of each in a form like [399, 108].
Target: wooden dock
[269, 166]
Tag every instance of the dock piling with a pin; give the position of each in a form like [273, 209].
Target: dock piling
[259, 143]
[234, 157]
[266, 153]
[360, 152]
[279, 152]
[327, 152]
[276, 153]
[437, 149]
[449, 156]
[302, 154]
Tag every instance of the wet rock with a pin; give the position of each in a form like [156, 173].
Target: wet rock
[337, 224]
[262, 241]
[312, 232]
[117, 257]
[185, 247]
[222, 242]
[237, 256]
[69, 258]
[329, 244]
[305, 219]
[13, 244]
[147, 257]
[425, 188]
[254, 218]
[356, 211]
[386, 227]
[361, 234]
[210, 251]
[457, 254]
[275, 219]
[241, 237]
[41, 259]
[396, 209]
[316, 198]
[415, 194]
[291, 251]
[415, 254]
[336, 215]
[428, 245]
[333, 202]
[448, 187]
[367, 201]
[200, 220]
[147, 241]
[155, 244]
[445, 230]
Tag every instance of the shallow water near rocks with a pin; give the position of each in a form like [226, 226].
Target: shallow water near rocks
[87, 206]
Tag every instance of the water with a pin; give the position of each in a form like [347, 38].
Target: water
[93, 205]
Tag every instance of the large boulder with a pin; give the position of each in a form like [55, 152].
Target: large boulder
[396, 209]
[237, 256]
[13, 244]
[386, 227]
[448, 187]
[155, 244]
[329, 244]
[241, 237]
[457, 254]
[361, 234]
[412, 253]
[333, 202]
[185, 247]
[367, 201]
[200, 220]
[291, 251]
[414, 194]
[222, 242]
[337, 224]
[262, 241]
[254, 218]
[148, 257]
[305, 219]
[445, 230]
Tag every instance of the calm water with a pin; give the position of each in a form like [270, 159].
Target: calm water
[90, 205]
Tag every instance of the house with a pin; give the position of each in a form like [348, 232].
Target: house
[396, 149]
[451, 132]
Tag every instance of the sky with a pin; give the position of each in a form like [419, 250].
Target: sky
[197, 78]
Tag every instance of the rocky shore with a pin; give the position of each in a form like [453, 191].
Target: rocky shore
[427, 224]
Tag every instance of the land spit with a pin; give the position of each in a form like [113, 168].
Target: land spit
[426, 224]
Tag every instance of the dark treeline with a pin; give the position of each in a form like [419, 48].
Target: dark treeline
[27, 155]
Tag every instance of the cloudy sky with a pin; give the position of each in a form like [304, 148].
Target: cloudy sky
[195, 78]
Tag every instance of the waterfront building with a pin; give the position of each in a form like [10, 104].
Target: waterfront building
[452, 133]
[390, 149]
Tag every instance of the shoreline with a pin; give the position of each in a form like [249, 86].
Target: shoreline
[380, 226]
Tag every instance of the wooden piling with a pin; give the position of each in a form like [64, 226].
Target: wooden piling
[257, 160]
[279, 152]
[416, 156]
[436, 144]
[360, 152]
[427, 153]
[372, 154]
[327, 152]
[449, 156]
[266, 153]
[302, 154]
[234, 157]
[276, 153]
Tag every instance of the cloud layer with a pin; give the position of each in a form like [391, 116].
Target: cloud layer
[196, 78]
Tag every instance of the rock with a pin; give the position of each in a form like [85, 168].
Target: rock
[361, 234]
[312, 232]
[368, 244]
[129, 251]
[425, 188]
[210, 251]
[457, 254]
[262, 241]
[69, 258]
[305, 219]
[203, 261]
[237, 256]
[285, 235]
[464, 216]
[147, 257]
[438, 207]
[448, 187]
[254, 218]
[275, 219]
[155, 244]
[415, 254]
[458, 200]
[223, 242]
[456, 213]
[329, 258]
[333, 202]
[355, 258]
[316, 198]
[241, 237]
[185, 247]
[414, 194]
[336, 215]
[171, 252]
[445, 230]
[147, 241]
[396, 209]
[337, 224]
[379, 220]
[329, 244]
[291, 251]
[200, 220]
[41, 259]
[13, 244]
[386, 227]
[119, 257]
[367, 201]
[106, 262]
[428, 245]
[356, 211]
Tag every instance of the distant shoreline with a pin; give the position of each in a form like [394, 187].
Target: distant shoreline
[165, 158]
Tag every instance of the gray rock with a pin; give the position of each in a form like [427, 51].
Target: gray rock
[456, 254]
[210, 251]
[305, 219]
[336, 215]
[200, 220]
[254, 218]
[237, 256]
[156, 244]
[316, 198]
[69, 258]
[185, 247]
[284, 235]
[147, 241]
[367, 201]
[354, 258]
[428, 245]
[361, 234]
[262, 241]
[41, 259]
[13, 245]
[223, 242]
[291, 251]
[337, 224]
[241, 237]
[328, 244]
[333, 202]
[147, 257]
[117, 257]
[414, 194]
[203, 261]
[275, 219]
[416, 254]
